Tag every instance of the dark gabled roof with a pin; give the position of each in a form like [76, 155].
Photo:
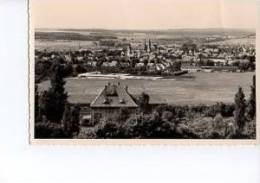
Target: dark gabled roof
[114, 95]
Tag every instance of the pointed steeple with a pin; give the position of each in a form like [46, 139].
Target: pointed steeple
[150, 45]
[145, 46]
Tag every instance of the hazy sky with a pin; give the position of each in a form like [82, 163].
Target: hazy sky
[144, 14]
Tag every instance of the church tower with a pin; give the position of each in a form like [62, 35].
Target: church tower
[129, 50]
[149, 46]
[145, 46]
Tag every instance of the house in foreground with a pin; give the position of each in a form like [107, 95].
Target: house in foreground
[110, 101]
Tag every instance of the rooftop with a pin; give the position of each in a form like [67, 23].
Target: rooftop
[114, 95]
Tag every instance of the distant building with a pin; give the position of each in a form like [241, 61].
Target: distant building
[145, 46]
[129, 50]
[219, 61]
[148, 47]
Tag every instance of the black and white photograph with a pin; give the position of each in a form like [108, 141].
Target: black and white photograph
[126, 91]
[143, 69]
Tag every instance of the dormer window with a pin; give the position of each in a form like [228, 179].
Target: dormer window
[122, 101]
[106, 101]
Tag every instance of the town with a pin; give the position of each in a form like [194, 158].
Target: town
[148, 59]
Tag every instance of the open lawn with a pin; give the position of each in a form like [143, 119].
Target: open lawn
[193, 88]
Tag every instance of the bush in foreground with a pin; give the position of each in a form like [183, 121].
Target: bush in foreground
[49, 131]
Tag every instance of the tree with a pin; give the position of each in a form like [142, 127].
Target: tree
[123, 114]
[240, 106]
[143, 101]
[70, 120]
[66, 120]
[75, 112]
[109, 130]
[49, 130]
[56, 97]
[68, 70]
[218, 120]
[167, 116]
[176, 66]
[36, 103]
[251, 106]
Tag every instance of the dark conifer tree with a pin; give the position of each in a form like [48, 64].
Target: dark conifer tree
[75, 115]
[56, 96]
[36, 103]
[67, 120]
[251, 107]
[240, 107]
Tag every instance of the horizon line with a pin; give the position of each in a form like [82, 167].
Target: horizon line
[151, 29]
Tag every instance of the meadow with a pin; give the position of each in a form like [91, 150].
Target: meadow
[193, 88]
[63, 45]
[238, 41]
[73, 39]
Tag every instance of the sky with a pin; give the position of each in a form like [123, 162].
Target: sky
[144, 14]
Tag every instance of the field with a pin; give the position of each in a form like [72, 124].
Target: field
[72, 39]
[238, 41]
[193, 88]
[62, 45]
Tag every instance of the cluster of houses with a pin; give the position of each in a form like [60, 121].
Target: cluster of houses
[153, 57]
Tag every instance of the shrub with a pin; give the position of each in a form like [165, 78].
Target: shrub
[249, 131]
[108, 129]
[167, 116]
[123, 114]
[49, 130]
[143, 102]
[218, 120]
